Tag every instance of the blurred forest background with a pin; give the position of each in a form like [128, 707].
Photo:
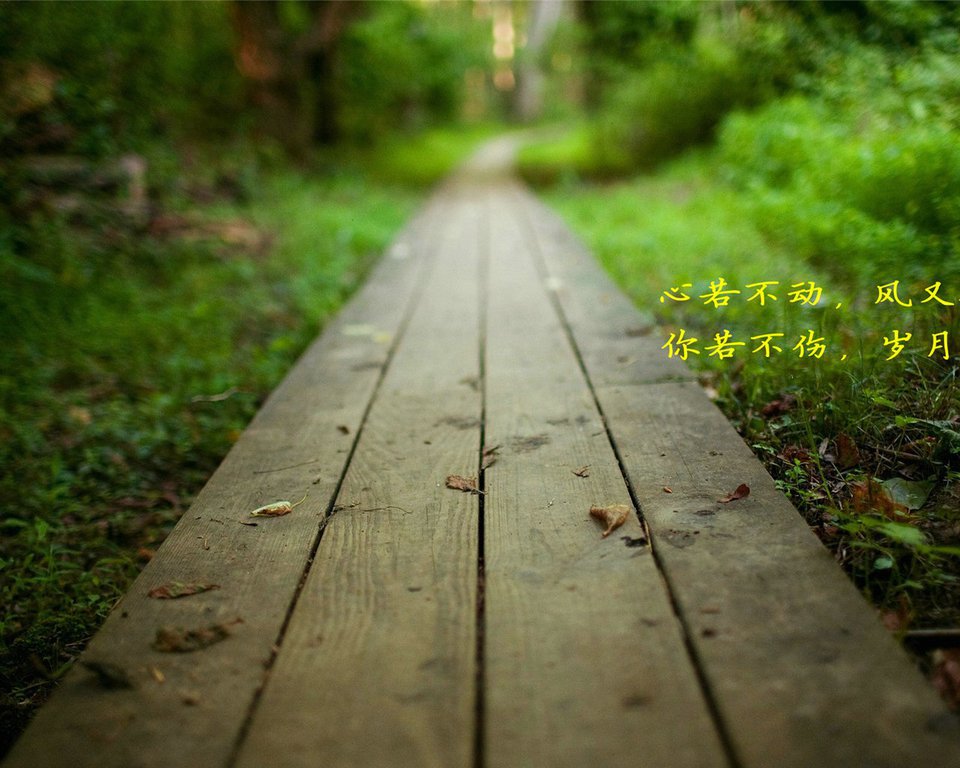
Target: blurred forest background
[188, 189]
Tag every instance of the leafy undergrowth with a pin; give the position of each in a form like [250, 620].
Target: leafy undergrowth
[865, 442]
[425, 160]
[567, 154]
[137, 348]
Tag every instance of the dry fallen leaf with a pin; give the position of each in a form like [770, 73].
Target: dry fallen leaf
[848, 455]
[792, 454]
[176, 589]
[466, 484]
[872, 496]
[613, 516]
[180, 640]
[490, 456]
[945, 675]
[776, 408]
[741, 492]
[898, 621]
[277, 509]
[583, 471]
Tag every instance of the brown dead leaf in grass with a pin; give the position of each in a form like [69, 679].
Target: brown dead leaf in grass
[946, 675]
[741, 492]
[490, 456]
[612, 516]
[871, 496]
[898, 621]
[848, 455]
[776, 408]
[792, 454]
[176, 589]
[180, 640]
[583, 471]
[465, 484]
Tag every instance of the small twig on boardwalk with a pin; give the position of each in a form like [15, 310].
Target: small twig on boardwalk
[280, 469]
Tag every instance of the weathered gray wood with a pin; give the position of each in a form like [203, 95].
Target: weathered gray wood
[294, 446]
[801, 670]
[378, 665]
[585, 661]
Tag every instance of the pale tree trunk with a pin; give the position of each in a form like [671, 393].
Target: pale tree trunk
[528, 97]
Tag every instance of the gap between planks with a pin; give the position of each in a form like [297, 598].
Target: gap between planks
[330, 510]
[800, 669]
[585, 661]
[378, 667]
[691, 650]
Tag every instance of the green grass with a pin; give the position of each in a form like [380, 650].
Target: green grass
[690, 224]
[118, 338]
[567, 155]
[656, 231]
[419, 160]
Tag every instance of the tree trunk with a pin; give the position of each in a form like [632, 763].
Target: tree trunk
[528, 99]
[291, 76]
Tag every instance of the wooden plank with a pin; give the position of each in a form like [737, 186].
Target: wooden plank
[585, 661]
[186, 709]
[801, 671]
[378, 665]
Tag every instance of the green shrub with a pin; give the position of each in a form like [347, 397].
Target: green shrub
[674, 104]
[912, 175]
[403, 65]
[121, 73]
[869, 202]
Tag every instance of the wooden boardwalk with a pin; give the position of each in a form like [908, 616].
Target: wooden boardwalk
[388, 620]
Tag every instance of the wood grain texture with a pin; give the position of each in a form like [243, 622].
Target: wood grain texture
[584, 659]
[802, 671]
[193, 717]
[378, 665]
[625, 344]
